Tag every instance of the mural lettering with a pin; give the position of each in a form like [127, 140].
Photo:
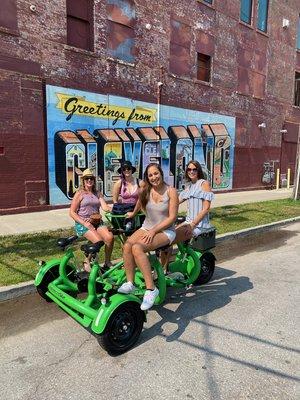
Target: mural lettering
[172, 149]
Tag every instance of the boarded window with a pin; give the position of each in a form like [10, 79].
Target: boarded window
[252, 72]
[180, 59]
[121, 36]
[80, 24]
[203, 67]
[297, 89]
[8, 15]
[246, 11]
[262, 15]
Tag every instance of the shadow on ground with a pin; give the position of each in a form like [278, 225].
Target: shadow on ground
[197, 301]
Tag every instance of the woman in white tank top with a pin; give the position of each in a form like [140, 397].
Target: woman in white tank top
[160, 204]
[198, 195]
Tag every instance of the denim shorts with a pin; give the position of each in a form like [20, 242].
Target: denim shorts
[80, 229]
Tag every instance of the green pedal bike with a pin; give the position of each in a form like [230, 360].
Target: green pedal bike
[116, 319]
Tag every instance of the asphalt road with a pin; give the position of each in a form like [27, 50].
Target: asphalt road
[235, 338]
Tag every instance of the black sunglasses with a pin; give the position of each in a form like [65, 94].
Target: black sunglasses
[191, 169]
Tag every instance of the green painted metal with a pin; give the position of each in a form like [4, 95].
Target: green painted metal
[44, 269]
[106, 310]
[70, 302]
[102, 299]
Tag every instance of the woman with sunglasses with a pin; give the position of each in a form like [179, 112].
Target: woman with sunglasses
[160, 204]
[126, 189]
[86, 202]
[198, 194]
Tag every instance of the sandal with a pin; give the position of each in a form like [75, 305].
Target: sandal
[105, 267]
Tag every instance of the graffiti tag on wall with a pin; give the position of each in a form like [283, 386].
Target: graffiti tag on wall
[98, 133]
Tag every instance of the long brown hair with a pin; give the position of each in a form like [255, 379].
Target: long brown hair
[200, 174]
[145, 192]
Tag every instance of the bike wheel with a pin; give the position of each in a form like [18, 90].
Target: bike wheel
[49, 277]
[123, 329]
[207, 261]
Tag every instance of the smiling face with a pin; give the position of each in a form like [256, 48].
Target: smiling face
[88, 183]
[154, 176]
[192, 172]
[127, 172]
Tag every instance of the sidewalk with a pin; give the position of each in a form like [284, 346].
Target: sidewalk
[55, 219]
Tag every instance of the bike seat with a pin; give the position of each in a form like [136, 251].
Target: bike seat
[64, 242]
[92, 248]
[180, 219]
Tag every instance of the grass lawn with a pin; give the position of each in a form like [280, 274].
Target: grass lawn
[20, 254]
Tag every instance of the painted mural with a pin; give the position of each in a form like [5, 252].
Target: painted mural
[99, 131]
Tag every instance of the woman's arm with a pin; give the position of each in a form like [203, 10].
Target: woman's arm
[116, 191]
[75, 204]
[205, 206]
[105, 207]
[183, 195]
[132, 214]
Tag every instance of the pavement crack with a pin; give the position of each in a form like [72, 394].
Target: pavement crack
[71, 353]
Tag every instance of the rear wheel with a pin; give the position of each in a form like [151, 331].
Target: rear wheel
[123, 329]
[49, 277]
[207, 261]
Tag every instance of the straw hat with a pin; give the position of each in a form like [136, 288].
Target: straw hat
[87, 173]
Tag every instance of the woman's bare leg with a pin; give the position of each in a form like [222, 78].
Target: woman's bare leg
[139, 251]
[129, 262]
[93, 237]
[183, 232]
[108, 239]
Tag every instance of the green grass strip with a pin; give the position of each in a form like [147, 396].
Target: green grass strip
[20, 254]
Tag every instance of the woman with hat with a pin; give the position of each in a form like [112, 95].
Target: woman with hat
[126, 189]
[86, 202]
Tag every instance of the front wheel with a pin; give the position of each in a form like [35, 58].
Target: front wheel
[123, 329]
[49, 277]
[207, 262]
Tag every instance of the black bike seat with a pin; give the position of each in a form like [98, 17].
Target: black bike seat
[92, 248]
[64, 242]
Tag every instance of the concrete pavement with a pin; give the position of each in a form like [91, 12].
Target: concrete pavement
[236, 338]
[55, 219]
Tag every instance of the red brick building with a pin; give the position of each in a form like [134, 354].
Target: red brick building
[229, 57]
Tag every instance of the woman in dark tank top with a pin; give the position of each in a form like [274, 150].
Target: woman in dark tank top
[160, 204]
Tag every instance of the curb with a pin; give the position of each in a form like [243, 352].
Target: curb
[18, 290]
[255, 229]
[22, 289]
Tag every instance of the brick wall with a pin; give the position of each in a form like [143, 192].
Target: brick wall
[252, 79]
